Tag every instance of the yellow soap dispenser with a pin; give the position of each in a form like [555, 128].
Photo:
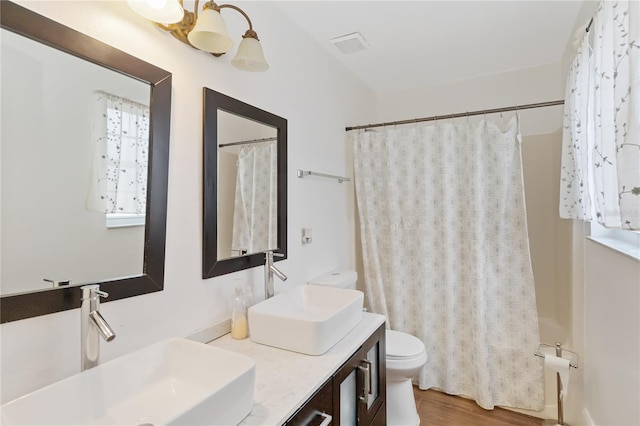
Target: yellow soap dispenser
[239, 326]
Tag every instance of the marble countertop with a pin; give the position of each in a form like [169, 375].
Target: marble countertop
[285, 380]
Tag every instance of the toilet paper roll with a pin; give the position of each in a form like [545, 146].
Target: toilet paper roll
[561, 366]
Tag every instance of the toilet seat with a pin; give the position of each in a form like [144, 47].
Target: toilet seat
[403, 346]
[406, 355]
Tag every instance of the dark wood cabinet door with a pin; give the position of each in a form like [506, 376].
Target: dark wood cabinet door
[346, 383]
[359, 386]
[373, 369]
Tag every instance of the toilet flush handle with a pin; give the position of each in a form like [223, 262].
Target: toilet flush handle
[368, 371]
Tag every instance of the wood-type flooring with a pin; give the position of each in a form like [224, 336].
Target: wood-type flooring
[439, 409]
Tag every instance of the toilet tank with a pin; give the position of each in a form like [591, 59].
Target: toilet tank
[338, 279]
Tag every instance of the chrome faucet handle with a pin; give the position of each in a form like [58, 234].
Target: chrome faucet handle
[270, 254]
[102, 294]
[93, 290]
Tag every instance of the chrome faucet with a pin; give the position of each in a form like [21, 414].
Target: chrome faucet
[269, 270]
[92, 325]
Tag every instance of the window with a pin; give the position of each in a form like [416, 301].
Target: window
[600, 176]
[122, 220]
[120, 166]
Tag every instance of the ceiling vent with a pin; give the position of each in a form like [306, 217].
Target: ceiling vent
[350, 43]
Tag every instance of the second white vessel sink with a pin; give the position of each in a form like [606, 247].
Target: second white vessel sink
[309, 319]
[173, 382]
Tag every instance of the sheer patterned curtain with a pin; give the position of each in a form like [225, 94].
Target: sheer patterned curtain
[255, 213]
[121, 155]
[577, 137]
[601, 140]
[446, 255]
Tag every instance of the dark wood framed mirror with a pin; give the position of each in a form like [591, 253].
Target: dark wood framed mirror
[234, 133]
[17, 305]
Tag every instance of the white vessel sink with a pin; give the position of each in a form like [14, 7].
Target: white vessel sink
[309, 319]
[173, 382]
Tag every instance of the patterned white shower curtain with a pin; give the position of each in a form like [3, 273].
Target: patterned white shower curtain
[255, 213]
[446, 255]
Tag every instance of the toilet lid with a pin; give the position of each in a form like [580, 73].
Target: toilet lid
[403, 345]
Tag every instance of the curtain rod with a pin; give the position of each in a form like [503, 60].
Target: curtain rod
[460, 114]
[222, 145]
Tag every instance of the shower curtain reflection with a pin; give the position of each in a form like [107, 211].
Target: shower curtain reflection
[255, 226]
[446, 254]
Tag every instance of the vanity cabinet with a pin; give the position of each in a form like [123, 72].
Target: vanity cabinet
[356, 392]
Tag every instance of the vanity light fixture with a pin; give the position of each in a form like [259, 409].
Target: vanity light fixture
[205, 31]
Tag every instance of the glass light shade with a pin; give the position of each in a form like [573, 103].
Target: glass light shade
[210, 33]
[162, 11]
[250, 56]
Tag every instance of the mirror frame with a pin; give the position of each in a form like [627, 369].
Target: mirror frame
[214, 101]
[36, 27]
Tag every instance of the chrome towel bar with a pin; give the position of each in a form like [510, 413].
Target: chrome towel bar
[303, 173]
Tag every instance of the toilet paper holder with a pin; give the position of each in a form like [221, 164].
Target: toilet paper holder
[572, 363]
[559, 351]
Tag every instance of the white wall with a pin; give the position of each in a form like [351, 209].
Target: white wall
[517, 87]
[612, 336]
[549, 236]
[318, 98]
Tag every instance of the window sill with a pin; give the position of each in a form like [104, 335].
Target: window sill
[124, 220]
[627, 248]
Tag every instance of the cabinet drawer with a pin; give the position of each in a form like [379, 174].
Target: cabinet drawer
[317, 409]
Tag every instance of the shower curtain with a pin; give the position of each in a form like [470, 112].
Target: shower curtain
[446, 254]
[255, 213]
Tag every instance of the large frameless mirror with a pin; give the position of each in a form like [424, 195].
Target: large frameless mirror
[85, 143]
[245, 188]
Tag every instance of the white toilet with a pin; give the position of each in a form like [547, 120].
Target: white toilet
[406, 355]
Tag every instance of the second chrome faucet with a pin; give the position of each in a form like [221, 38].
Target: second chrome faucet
[269, 270]
[92, 326]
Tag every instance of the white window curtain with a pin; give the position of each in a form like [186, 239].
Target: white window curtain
[121, 155]
[255, 225]
[577, 137]
[601, 139]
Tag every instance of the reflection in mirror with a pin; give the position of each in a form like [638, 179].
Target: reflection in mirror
[245, 185]
[68, 107]
[88, 149]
